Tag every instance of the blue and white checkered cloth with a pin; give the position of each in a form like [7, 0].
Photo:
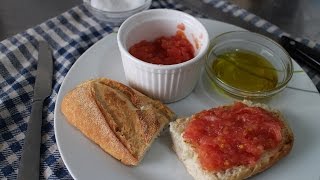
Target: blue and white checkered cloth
[69, 35]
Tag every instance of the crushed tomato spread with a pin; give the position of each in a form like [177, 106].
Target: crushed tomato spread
[230, 136]
[164, 50]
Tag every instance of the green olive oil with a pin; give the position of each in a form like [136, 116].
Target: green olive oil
[245, 70]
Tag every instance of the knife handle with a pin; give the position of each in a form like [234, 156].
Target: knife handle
[302, 53]
[30, 159]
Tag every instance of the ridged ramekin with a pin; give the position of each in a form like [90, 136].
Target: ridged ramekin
[168, 83]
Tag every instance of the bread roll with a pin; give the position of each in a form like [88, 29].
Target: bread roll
[121, 120]
[189, 157]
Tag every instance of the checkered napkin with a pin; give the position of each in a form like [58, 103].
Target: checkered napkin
[69, 35]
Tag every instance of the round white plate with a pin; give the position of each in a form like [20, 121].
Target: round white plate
[85, 160]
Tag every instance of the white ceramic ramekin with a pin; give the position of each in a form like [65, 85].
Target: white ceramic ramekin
[168, 83]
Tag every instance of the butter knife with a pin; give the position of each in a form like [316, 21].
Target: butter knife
[297, 50]
[30, 159]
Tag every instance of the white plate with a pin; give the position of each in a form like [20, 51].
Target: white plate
[85, 160]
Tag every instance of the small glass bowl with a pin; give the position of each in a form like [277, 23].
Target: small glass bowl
[116, 17]
[255, 43]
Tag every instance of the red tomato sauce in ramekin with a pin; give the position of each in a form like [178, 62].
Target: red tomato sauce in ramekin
[164, 50]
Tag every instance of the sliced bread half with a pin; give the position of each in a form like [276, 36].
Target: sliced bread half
[121, 120]
[187, 154]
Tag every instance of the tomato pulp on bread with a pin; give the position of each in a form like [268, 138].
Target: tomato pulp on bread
[230, 136]
[164, 50]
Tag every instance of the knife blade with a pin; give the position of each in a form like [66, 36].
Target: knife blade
[30, 159]
[297, 50]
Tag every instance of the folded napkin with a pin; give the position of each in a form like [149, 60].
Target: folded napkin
[69, 35]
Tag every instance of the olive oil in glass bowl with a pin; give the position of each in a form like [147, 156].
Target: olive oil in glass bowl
[248, 65]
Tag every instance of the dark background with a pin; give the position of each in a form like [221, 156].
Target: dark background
[19, 15]
[301, 18]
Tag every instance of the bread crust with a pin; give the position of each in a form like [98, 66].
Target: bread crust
[189, 157]
[122, 121]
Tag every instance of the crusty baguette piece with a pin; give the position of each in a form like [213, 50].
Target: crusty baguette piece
[190, 158]
[121, 120]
